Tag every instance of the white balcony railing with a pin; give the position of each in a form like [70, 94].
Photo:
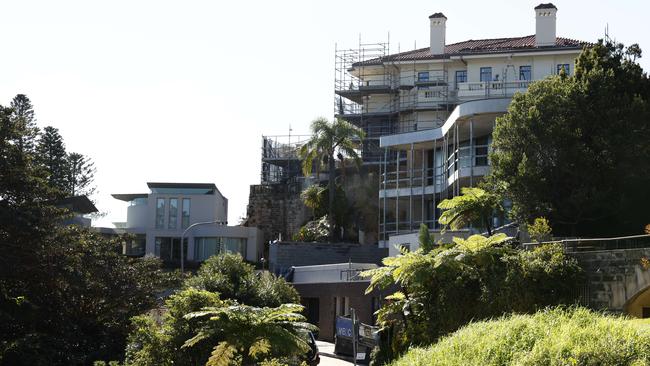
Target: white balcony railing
[491, 89]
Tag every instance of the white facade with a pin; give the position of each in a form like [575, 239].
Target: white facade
[331, 273]
[437, 107]
[159, 219]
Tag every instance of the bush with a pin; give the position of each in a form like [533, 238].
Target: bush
[232, 278]
[317, 230]
[478, 278]
[574, 336]
[540, 230]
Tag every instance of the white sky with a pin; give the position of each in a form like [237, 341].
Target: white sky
[184, 90]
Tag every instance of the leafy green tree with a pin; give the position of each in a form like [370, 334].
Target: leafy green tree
[81, 175]
[53, 157]
[232, 278]
[540, 230]
[22, 117]
[473, 206]
[199, 327]
[425, 239]
[575, 148]
[66, 294]
[270, 333]
[476, 278]
[327, 141]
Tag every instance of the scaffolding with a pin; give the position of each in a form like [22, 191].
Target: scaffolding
[366, 93]
[280, 159]
[383, 97]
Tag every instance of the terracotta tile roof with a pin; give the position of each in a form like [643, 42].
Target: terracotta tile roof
[545, 6]
[477, 47]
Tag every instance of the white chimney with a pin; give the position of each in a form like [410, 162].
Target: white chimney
[438, 30]
[545, 25]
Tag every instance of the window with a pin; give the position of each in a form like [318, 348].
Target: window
[204, 248]
[169, 249]
[423, 76]
[173, 213]
[486, 74]
[160, 213]
[525, 72]
[566, 68]
[461, 77]
[234, 245]
[185, 218]
[135, 247]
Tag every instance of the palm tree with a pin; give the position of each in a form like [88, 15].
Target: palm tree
[327, 141]
[474, 205]
[252, 334]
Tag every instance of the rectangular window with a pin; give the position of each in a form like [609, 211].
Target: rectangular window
[160, 213]
[486, 74]
[566, 68]
[234, 245]
[136, 247]
[169, 249]
[173, 213]
[205, 247]
[423, 76]
[525, 72]
[185, 218]
[461, 77]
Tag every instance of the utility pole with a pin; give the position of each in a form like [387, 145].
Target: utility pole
[217, 222]
[354, 336]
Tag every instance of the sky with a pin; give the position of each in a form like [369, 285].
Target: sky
[182, 91]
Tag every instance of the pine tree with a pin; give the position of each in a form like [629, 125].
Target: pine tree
[81, 175]
[53, 157]
[22, 116]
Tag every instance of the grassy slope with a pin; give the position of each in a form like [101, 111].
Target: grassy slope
[553, 337]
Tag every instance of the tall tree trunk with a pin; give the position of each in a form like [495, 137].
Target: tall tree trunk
[332, 192]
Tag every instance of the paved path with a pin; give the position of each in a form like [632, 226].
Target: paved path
[327, 356]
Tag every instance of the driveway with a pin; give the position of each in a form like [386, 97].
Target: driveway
[327, 356]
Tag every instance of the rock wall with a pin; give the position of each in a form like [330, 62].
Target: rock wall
[614, 277]
[276, 209]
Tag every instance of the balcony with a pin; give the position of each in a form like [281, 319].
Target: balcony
[432, 98]
[491, 89]
[356, 89]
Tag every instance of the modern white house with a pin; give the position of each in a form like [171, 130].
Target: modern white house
[170, 211]
[429, 113]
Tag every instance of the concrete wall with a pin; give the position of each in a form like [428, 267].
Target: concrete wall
[285, 255]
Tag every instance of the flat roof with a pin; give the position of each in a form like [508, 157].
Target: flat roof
[181, 185]
[128, 197]
[79, 204]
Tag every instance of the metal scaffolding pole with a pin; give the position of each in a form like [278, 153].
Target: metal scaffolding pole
[411, 170]
[397, 194]
[423, 179]
[471, 152]
[435, 182]
[385, 177]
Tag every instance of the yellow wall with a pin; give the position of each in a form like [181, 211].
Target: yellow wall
[635, 307]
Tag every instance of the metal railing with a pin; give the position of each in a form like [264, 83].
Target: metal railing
[599, 244]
